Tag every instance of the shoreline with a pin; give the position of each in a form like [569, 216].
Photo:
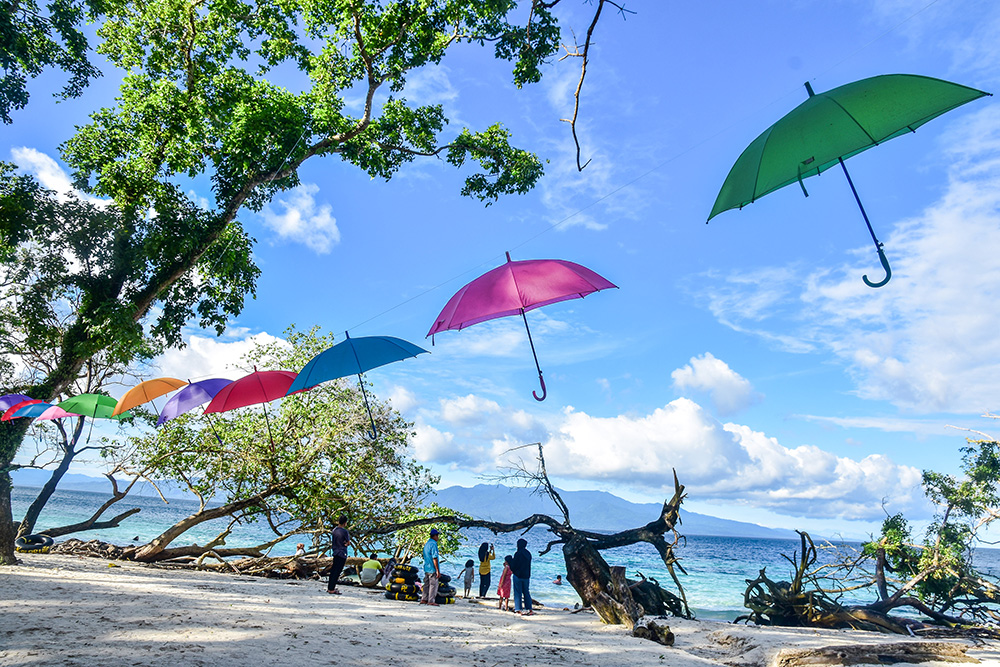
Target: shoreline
[75, 610]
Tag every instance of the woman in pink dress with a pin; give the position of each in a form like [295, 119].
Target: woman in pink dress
[503, 589]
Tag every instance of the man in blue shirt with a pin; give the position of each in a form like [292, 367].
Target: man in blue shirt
[432, 570]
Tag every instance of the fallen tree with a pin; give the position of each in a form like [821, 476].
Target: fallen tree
[935, 583]
[616, 600]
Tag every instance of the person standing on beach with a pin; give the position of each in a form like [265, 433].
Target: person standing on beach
[485, 556]
[467, 574]
[503, 589]
[339, 541]
[432, 570]
[520, 568]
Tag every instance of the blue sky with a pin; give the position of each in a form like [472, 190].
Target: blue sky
[746, 353]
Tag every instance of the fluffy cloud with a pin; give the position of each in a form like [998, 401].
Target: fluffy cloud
[205, 357]
[303, 220]
[730, 392]
[49, 173]
[729, 463]
[927, 342]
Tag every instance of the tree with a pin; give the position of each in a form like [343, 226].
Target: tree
[32, 39]
[935, 579]
[321, 462]
[194, 103]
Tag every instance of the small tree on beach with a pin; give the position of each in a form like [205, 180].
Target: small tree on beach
[321, 462]
[935, 580]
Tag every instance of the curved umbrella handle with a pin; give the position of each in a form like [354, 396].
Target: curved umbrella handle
[544, 391]
[885, 265]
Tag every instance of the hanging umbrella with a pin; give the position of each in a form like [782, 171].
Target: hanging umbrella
[190, 397]
[145, 392]
[54, 412]
[31, 410]
[515, 288]
[830, 127]
[257, 387]
[8, 400]
[353, 357]
[96, 406]
[9, 412]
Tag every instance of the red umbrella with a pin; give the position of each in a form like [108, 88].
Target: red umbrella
[258, 387]
[9, 412]
[515, 288]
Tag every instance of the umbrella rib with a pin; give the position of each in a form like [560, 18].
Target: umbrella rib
[849, 115]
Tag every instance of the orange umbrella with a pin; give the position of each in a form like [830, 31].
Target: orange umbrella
[145, 392]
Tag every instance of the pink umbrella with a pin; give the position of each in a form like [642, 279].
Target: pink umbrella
[515, 288]
[55, 412]
[258, 387]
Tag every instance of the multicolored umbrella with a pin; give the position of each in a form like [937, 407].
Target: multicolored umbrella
[9, 412]
[515, 288]
[190, 397]
[830, 127]
[353, 357]
[145, 392]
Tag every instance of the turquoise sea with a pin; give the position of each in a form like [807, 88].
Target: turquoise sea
[717, 567]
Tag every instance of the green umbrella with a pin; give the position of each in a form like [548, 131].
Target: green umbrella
[829, 127]
[92, 405]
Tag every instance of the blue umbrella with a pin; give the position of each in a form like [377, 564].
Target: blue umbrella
[353, 357]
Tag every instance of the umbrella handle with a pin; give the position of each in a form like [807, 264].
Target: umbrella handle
[885, 265]
[544, 391]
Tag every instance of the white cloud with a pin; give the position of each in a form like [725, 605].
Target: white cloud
[205, 357]
[927, 341]
[49, 173]
[730, 392]
[717, 462]
[467, 410]
[727, 462]
[432, 445]
[303, 220]
[403, 400]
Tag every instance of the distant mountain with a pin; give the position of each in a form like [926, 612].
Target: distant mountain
[593, 510]
[33, 477]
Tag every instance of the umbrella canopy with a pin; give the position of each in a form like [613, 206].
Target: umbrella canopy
[145, 392]
[257, 387]
[8, 400]
[190, 397]
[31, 410]
[830, 127]
[54, 412]
[92, 405]
[353, 357]
[515, 288]
[9, 412]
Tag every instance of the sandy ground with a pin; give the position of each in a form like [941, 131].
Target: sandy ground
[66, 610]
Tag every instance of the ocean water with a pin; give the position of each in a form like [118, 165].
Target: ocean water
[717, 567]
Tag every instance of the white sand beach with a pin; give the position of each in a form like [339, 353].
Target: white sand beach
[70, 610]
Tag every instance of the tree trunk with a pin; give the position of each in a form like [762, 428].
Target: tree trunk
[90, 524]
[150, 552]
[35, 509]
[11, 435]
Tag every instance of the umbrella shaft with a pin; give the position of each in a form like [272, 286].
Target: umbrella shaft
[531, 342]
[860, 205]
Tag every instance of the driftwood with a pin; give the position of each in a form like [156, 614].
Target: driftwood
[874, 654]
[654, 630]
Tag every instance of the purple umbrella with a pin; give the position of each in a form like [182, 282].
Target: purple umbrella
[7, 401]
[515, 288]
[190, 397]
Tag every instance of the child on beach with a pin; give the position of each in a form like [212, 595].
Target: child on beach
[503, 590]
[468, 574]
